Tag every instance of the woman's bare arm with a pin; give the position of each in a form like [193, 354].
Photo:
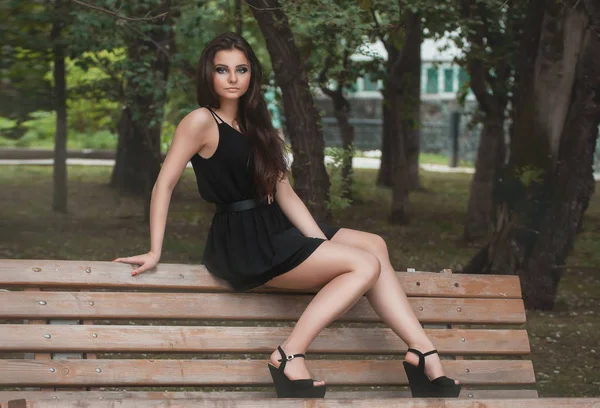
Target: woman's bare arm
[189, 138]
[295, 210]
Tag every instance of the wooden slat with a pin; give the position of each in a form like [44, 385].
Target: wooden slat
[244, 372]
[50, 273]
[205, 339]
[334, 403]
[67, 396]
[241, 306]
[38, 356]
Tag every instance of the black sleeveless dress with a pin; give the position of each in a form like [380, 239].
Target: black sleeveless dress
[246, 248]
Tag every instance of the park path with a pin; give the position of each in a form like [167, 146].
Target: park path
[357, 162]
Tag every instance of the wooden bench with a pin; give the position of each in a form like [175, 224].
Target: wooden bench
[88, 331]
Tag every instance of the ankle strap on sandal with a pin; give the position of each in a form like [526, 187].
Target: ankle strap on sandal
[285, 358]
[422, 356]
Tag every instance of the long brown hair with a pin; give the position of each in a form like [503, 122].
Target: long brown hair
[270, 159]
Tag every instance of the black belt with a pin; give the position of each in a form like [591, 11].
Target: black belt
[242, 205]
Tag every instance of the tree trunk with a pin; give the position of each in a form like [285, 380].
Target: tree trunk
[138, 154]
[404, 81]
[413, 120]
[138, 158]
[311, 181]
[347, 136]
[59, 197]
[400, 204]
[404, 107]
[489, 163]
[385, 176]
[547, 184]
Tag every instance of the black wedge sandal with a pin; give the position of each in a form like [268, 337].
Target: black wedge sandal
[287, 388]
[420, 384]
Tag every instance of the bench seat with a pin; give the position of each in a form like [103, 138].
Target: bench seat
[76, 331]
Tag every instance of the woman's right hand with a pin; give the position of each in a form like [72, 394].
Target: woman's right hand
[146, 261]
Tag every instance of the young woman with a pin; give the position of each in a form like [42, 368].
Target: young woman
[263, 234]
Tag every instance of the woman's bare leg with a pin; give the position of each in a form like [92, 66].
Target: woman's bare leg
[389, 301]
[345, 274]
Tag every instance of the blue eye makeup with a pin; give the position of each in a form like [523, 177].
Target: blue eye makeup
[241, 70]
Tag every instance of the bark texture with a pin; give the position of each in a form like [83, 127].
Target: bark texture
[404, 82]
[488, 53]
[311, 181]
[548, 182]
[488, 165]
[404, 110]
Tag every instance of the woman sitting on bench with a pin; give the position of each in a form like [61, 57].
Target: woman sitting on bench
[263, 234]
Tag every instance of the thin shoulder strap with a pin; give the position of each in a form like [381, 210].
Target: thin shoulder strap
[214, 114]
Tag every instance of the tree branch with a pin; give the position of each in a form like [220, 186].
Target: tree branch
[263, 9]
[117, 15]
[476, 65]
[322, 78]
[149, 38]
[378, 28]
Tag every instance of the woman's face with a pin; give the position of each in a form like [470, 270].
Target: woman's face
[231, 76]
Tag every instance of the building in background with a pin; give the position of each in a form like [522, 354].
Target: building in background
[441, 81]
[441, 77]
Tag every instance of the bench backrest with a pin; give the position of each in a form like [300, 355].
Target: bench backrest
[91, 325]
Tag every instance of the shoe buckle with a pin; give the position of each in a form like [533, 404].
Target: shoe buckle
[288, 358]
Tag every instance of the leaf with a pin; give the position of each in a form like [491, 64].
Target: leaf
[530, 174]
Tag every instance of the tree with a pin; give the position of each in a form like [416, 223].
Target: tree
[341, 108]
[311, 181]
[401, 110]
[548, 181]
[46, 24]
[489, 31]
[404, 105]
[148, 45]
[328, 35]
[26, 58]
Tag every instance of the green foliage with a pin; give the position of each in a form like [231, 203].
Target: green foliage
[336, 191]
[41, 126]
[166, 136]
[101, 139]
[324, 32]
[27, 54]
[530, 174]
[39, 130]
[488, 32]
[7, 124]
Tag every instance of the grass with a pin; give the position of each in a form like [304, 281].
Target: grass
[102, 224]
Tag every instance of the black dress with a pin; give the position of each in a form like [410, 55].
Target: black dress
[246, 248]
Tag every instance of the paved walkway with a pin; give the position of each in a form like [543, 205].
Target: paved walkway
[357, 162]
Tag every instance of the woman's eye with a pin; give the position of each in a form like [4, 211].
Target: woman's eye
[243, 70]
[220, 70]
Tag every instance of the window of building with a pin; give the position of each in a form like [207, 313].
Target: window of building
[448, 80]
[432, 81]
[463, 77]
[370, 85]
